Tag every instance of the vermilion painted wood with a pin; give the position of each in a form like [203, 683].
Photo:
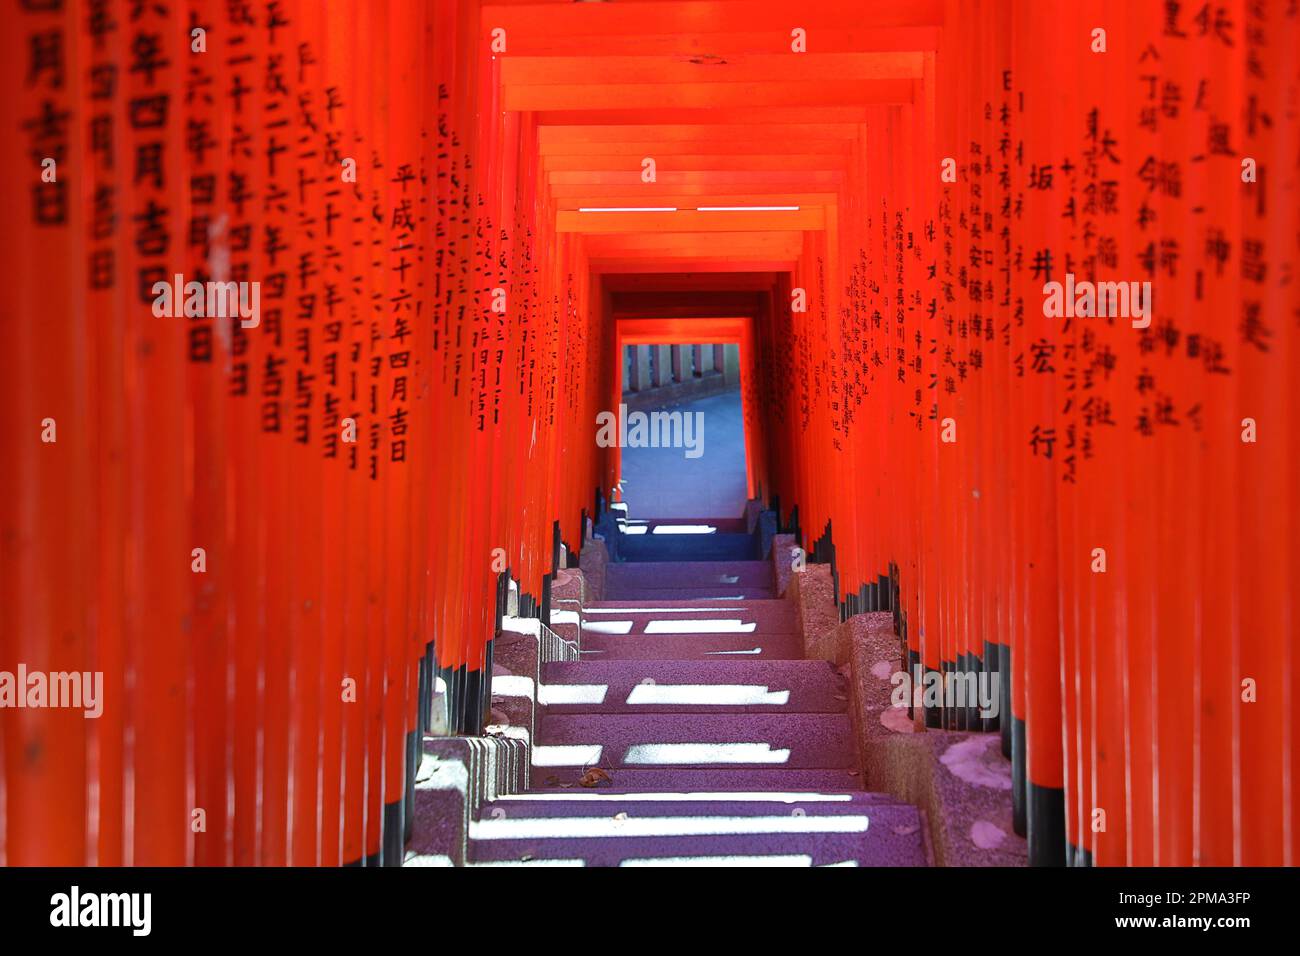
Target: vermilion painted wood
[924, 303]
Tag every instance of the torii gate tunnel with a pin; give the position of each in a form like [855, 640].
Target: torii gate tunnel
[310, 310]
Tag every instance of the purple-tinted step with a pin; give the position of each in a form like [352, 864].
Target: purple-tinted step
[689, 646]
[720, 525]
[638, 617]
[722, 685]
[720, 592]
[676, 548]
[692, 780]
[694, 740]
[738, 833]
[600, 803]
[697, 574]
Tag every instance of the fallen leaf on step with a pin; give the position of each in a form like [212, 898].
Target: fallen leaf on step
[838, 697]
[593, 778]
[552, 781]
[906, 830]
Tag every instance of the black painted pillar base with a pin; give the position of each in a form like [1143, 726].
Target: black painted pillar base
[913, 668]
[1004, 689]
[933, 714]
[1079, 856]
[1046, 825]
[391, 842]
[950, 718]
[1019, 813]
[408, 804]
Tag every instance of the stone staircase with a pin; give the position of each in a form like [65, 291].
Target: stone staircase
[692, 732]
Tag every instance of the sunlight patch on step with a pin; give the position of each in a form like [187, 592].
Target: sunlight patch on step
[521, 625]
[568, 828]
[608, 627]
[712, 695]
[664, 796]
[566, 755]
[685, 529]
[512, 685]
[657, 610]
[572, 694]
[531, 863]
[791, 860]
[705, 754]
[753, 650]
[720, 625]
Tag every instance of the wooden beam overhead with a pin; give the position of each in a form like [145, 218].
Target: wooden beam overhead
[678, 198]
[706, 161]
[693, 221]
[705, 95]
[550, 136]
[687, 245]
[647, 286]
[703, 264]
[658, 115]
[708, 45]
[717, 144]
[705, 16]
[787, 67]
[675, 177]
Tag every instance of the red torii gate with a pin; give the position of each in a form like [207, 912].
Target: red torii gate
[272, 541]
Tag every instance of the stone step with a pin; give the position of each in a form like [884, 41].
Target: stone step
[616, 740]
[859, 831]
[640, 617]
[720, 546]
[719, 592]
[732, 684]
[692, 780]
[719, 575]
[598, 646]
[686, 525]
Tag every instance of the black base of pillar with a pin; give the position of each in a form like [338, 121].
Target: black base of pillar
[993, 667]
[1004, 688]
[1046, 825]
[970, 680]
[913, 668]
[391, 842]
[408, 804]
[933, 715]
[1019, 815]
[951, 720]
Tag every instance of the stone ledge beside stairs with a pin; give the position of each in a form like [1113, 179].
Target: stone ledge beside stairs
[959, 780]
[456, 776]
[592, 563]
